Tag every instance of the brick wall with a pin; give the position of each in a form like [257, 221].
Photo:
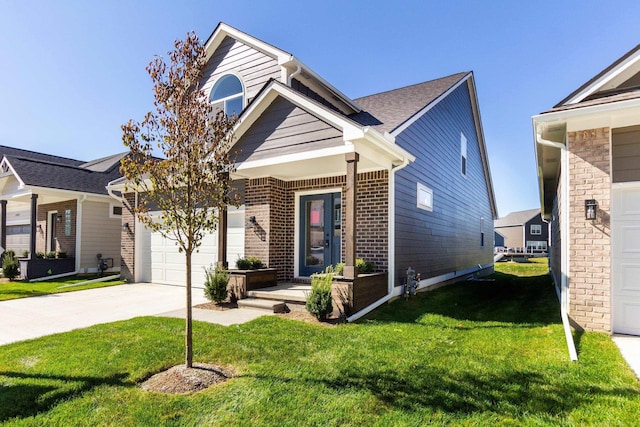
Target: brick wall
[63, 242]
[589, 241]
[127, 239]
[272, 202]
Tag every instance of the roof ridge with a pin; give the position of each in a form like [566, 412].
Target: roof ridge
[64, 165]
[38, 153]
[413, 85]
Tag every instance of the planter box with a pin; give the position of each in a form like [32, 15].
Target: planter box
[242, 281]
[351, 296]
[37, 268]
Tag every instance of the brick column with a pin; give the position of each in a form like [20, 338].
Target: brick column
[589, 241]
[349, 208]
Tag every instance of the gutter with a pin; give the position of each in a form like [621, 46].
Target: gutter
[564, 248]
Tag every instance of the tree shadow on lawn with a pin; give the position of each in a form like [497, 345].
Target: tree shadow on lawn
[528, 301]
[24, 395]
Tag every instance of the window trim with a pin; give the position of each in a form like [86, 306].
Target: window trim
[539, 228]
[224, 100]
[423, 188]
[464, 159]
[111, 214]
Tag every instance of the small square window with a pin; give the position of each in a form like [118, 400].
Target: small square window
[425, 197]
[536, 229]
[115, 211]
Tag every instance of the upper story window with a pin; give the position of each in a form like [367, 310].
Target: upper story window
[536, 229]
[227, 95]
[463, 155]
[425, 197]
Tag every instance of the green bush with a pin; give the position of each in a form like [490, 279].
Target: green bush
[25, 253]
[10, 252]
[40, 255]
[339, 269]
[215, 284]
[10, 265]
[51, 255]
[319, 301]
[249, 263]
[365, 266]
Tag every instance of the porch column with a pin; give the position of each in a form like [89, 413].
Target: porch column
[350, 271]
[3, 225]
[222, 238]
[34, 219]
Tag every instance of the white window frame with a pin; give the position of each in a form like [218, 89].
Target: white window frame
[538, 228]
[111, 214]
[420, 199]
[464, 163]
[226, 98]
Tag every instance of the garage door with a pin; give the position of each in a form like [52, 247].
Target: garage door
[625, 251]
[161, 262]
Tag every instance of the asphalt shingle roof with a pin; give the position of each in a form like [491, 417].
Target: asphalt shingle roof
[386, 111]
[516, 218]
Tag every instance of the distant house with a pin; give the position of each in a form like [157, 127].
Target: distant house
[52, 204]
[399, 178]
[523, 230]
[588, 158]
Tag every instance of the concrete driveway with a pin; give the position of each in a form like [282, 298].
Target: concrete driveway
[27, 318]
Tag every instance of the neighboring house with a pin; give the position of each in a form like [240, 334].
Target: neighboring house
[55, 204]
[588, 158]
[523, 230]
[400, 178]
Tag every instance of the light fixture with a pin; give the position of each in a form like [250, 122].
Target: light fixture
[252, 221]
[126, 228]
[40, 228]
[59, 217]
[590, 209]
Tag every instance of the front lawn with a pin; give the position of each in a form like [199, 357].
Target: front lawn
[477, 353]
[22, 289]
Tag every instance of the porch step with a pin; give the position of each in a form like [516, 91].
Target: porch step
[288, 293]
[262, 304]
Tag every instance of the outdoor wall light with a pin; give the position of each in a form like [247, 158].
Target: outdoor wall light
[39, 228]
[590, 209]
[252, 221]
[126, 228]
[59, 217]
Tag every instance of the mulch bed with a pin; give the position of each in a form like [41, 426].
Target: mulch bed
[180, 379]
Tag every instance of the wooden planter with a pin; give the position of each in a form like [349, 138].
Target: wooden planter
[242, 281]
[38, 267]
[356, 294]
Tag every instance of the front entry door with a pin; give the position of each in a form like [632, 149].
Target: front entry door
[625, 252]
[320, 232]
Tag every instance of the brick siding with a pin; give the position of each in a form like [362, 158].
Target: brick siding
[127, 239]
[589, 241]
[63, 243]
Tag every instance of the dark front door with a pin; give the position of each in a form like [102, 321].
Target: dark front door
[320, 232]
[53, 226]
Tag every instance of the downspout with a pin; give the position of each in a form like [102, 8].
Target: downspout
[295, 73]
[564, 238]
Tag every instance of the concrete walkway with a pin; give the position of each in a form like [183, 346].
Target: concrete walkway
[34, 317]
[629, 346]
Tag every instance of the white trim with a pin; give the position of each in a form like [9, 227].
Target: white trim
[296, 221]
[463, 155]
[419, 204]
[223, 100]
[426, 109]
[47, 243]
[290, 158]
[111, 214]
[13, 171]
[603, 80]
[564, 115]
[79, 216]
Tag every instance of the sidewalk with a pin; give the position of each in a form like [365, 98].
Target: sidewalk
[629, 346]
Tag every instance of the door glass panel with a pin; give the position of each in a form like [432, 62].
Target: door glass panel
[314, 233]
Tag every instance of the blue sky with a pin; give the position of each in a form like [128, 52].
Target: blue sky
[71, 72]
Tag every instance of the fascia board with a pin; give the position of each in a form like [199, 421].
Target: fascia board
[564, 115]
[73, 194]
[223, 30]
[290, 158]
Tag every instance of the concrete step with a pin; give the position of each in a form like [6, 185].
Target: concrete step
[280, 295]
[262, 304]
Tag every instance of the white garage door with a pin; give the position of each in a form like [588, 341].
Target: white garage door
[160, 261]
[625, 251]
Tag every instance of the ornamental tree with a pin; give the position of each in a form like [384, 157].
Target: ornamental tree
[179, 158]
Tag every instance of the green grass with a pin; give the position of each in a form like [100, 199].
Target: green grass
[23, 289]
[534, 267]
[476, 353]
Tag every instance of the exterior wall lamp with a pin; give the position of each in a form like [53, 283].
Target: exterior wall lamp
[590, 209]
[252, 221]
[126, 228]
[39, 227]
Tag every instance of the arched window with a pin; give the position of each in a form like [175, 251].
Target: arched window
[227, 94]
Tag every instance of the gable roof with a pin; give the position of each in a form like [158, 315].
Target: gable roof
[516, 218]
[387, 111]
[48, 171]
[619, 81]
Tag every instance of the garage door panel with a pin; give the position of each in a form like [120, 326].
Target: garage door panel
[628, 276]
[630, 236]
[629, 317]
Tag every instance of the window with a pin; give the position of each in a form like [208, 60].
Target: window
[227, 95]
[425, 197]
[482, 232]
[463, 155]
[18, 229]
[536, 230]
[115, 211]
[533, 245]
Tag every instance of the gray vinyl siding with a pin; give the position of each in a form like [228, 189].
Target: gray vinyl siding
[625, 154]
[543, 237]
[284, 128]
[100, 235]
[446, 239]
[252, 66]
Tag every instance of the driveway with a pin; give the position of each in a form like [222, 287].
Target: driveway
[27, 318]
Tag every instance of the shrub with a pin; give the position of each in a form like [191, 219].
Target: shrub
[40, 255]
[249, 263]
[51, 255]
[339, 269]
[10, 265]
[25, 253]
[319, 300]
[215, 284]
[365, 266]
[10, 252]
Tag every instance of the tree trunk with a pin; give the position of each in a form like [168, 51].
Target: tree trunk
[188, 361]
